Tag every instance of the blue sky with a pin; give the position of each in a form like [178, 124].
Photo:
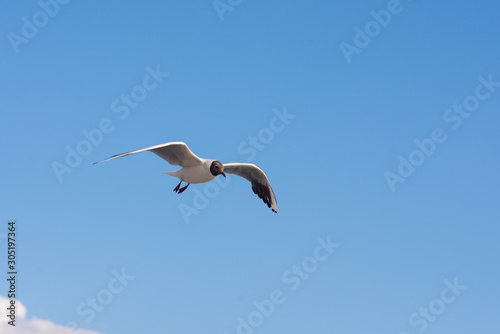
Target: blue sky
[385, 169]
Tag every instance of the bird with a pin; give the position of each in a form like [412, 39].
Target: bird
[198, 170]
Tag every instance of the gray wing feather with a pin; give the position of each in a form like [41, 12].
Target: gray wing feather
[175, 153]
[260, 183]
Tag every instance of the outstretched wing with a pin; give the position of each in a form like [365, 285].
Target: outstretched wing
[260, 183]
[175, 153]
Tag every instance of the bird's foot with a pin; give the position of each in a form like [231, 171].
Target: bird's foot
[176, 189]
[183, 188]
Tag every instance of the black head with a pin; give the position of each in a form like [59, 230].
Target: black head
[216, 168]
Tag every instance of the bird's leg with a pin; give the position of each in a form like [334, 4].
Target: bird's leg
[183, 188]
[176, 189]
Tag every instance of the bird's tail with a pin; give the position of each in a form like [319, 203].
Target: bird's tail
[174, 173]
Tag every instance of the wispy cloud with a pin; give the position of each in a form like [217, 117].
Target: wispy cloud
[33, 325]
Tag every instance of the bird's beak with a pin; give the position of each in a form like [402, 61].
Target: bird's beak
[223, 174]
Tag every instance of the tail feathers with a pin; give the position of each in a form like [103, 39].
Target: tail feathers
[174, 173]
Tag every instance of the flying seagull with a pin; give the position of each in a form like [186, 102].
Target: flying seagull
[198, 170]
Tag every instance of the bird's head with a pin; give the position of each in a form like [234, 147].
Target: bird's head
[216, 168]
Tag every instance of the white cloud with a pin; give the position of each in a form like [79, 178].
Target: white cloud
[34, 325]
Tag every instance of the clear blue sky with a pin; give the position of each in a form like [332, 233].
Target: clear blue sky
[390, 151]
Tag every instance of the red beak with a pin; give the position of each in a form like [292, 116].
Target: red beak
[223, 174]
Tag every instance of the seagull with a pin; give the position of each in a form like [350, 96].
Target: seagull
[198, 170]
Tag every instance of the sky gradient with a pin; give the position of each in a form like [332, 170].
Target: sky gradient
[376, 123]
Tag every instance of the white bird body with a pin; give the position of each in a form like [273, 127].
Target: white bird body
[198, 170]
[195, 174]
